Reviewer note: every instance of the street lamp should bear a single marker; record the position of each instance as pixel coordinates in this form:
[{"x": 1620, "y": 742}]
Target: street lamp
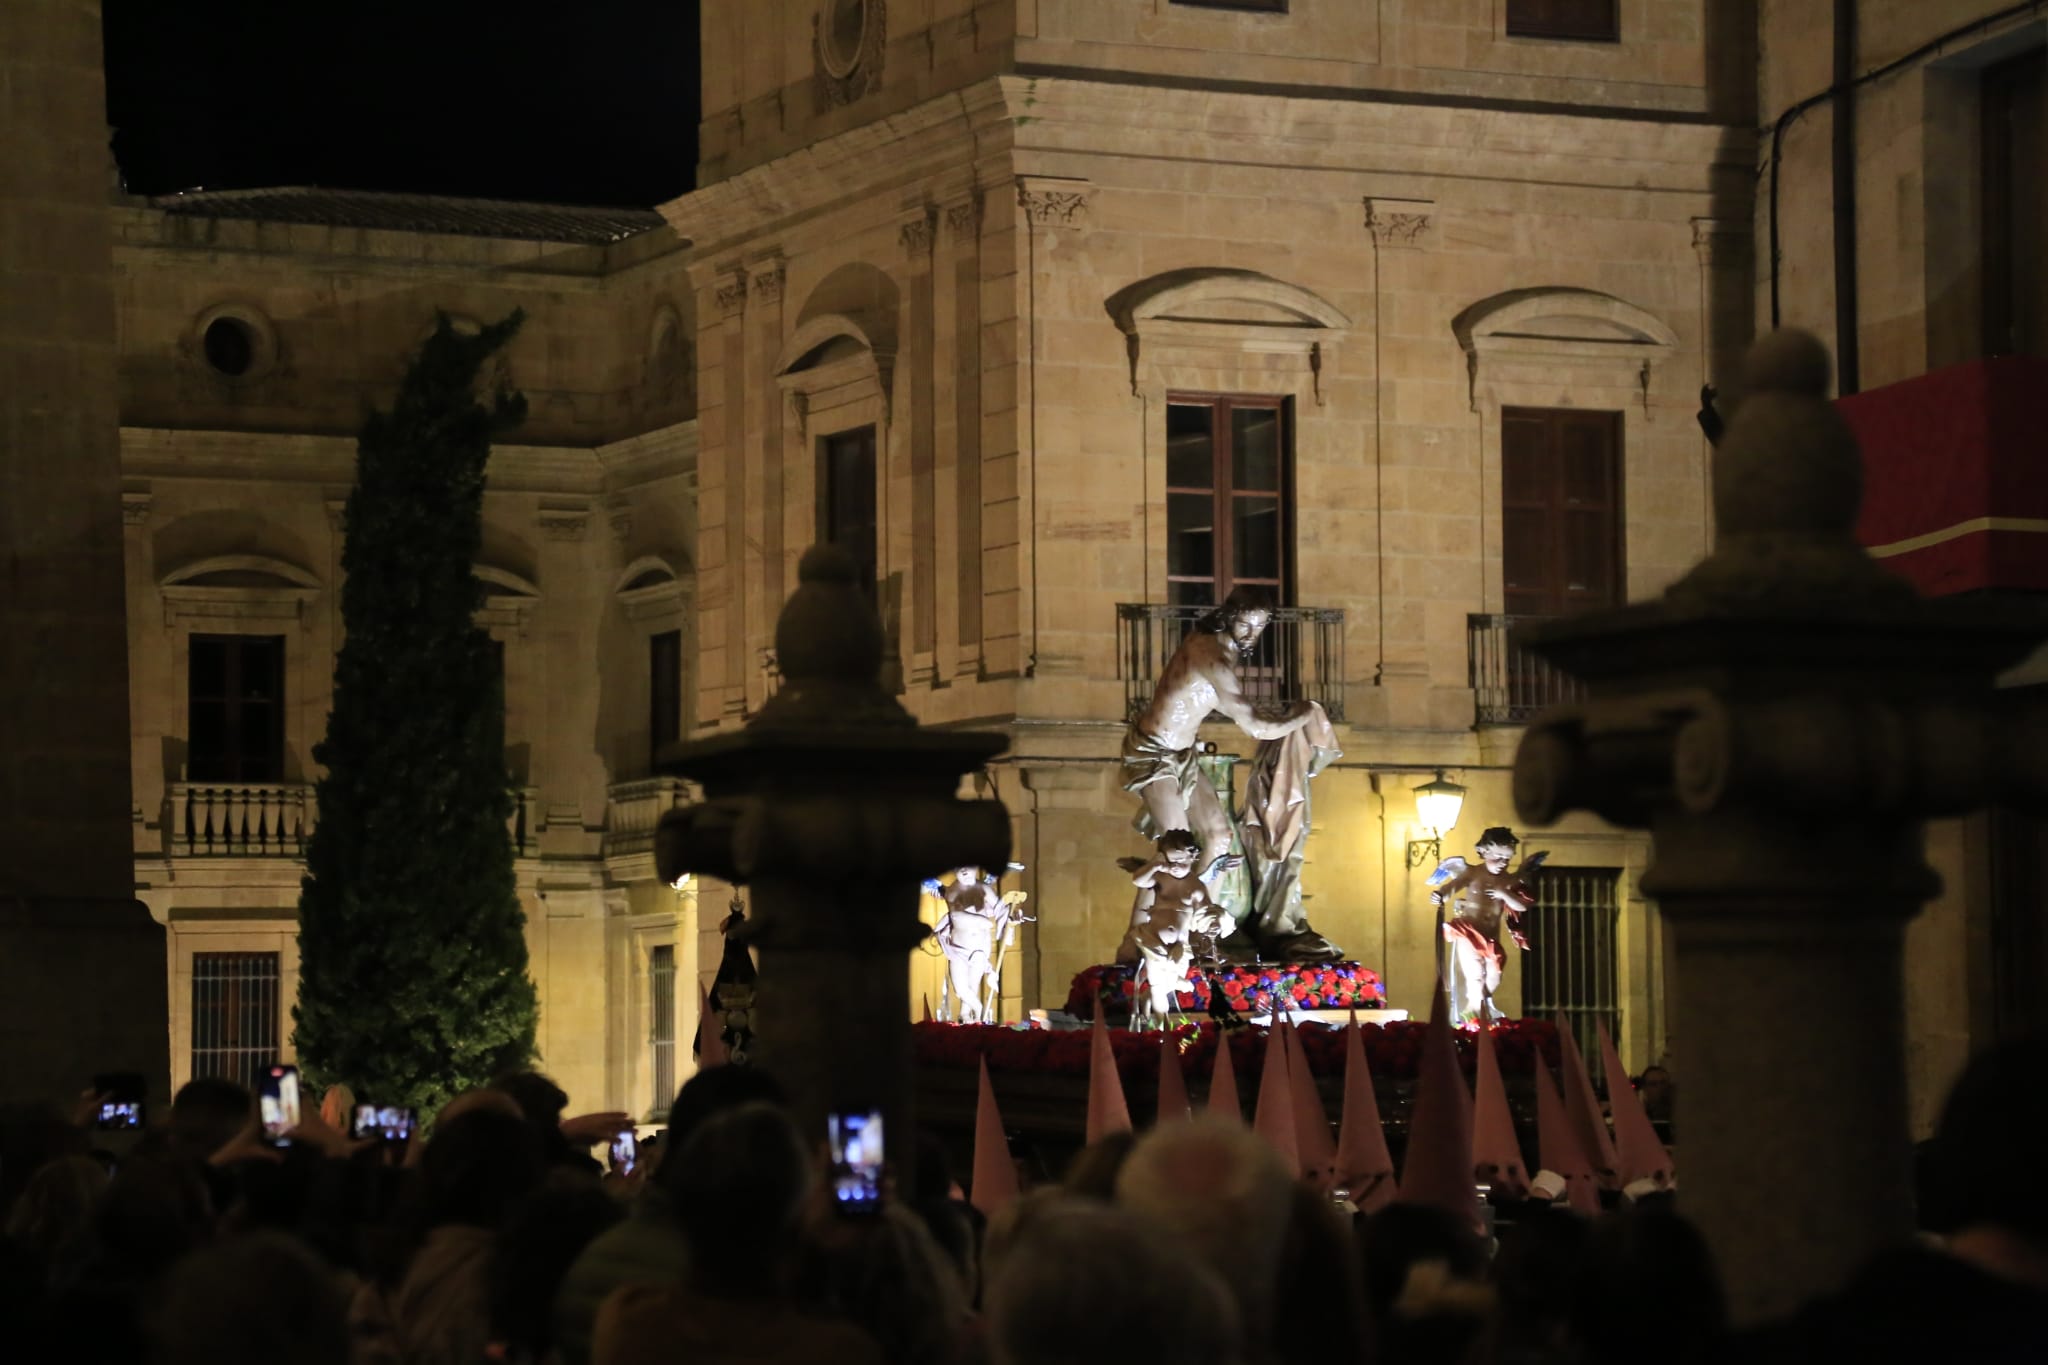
[{"x": 1437, "y": 804}]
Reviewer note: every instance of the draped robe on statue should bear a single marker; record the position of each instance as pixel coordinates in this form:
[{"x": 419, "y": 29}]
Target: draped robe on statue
[{"x": 1273, "y": 829}]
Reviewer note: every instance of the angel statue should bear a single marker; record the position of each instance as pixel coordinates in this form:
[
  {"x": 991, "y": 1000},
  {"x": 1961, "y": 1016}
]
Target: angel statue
[
  {"x": 1174, "y": 926},
  {"x": 973, "y": 933},
  {"x": 1480, "y": 896}
]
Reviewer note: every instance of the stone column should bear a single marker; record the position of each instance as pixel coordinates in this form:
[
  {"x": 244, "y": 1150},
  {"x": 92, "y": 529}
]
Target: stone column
[
  {"x": 1783, "y": 721},
  {"x": 832, "y": 805},
  {"x": 82, "y": 965}
]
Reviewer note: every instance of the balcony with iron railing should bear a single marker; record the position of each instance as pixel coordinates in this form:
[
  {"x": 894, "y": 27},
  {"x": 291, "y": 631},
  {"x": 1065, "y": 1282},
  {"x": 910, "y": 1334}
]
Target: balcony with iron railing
[
  {"x": 1510, "y": 685},
  {"x": 1299, "y": 658}
]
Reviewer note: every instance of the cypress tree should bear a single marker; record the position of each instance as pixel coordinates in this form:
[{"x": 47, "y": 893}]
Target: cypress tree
[{"x": 413, "y": 983}]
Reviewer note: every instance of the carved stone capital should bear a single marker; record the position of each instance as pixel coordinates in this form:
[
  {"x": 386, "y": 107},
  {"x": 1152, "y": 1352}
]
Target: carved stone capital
[
  {"x": 916, "y": 236},
  {"x": 1400, "y": 224},
  {"x": 732, "y": 296},
  {"x": 767, "y": 283},
  {"x": 1053, "y": 201},
  {"x": 963, "y": 220}
]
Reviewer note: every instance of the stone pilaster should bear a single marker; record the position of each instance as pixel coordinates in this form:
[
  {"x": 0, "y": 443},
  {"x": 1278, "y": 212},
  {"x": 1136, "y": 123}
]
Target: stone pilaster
[
  {"x": 767, "y": 471},
  {"x": 963, "y": 238},
  {"x": 916, "y": 235},
  {"x": 728, "y": 588}
]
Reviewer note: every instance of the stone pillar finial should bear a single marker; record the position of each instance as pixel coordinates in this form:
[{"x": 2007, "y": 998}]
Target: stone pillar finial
[
  {"x": 1788, "y": 484},
  {"x": 1782, "y": 722},
  {"x": 833, "y": 805}
]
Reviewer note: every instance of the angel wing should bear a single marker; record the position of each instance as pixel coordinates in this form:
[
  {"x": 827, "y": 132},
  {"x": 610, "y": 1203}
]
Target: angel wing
[
  {"x": 1445, "y": 870},
  {"x": 1131, "y": 864},
  {"x": 1532, "y": 862}
]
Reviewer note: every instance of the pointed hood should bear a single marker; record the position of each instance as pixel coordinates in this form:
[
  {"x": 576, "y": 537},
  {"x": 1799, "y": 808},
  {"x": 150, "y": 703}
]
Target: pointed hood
[
  {"x": 995, "y": 1177},
  {"x": 1273, "y": 1117},
  {"x": 1559, "y": 1149},
  {"x": 1223, "y": 1097},
  {"x": 1107, "y": 1112},
  {"x": 1638, "y": 1153},
  {"x": 1173, "y": 1086},
  {"x": 1494, "y": 1143},
  {"x": 1438, "y": 1170},
  {"x": 1582, "y": 1106},
  {"x": 1363, "y": 1164},
  {"x": 710, "y": 1047},
  {"x": 1312, "y": 1138}
]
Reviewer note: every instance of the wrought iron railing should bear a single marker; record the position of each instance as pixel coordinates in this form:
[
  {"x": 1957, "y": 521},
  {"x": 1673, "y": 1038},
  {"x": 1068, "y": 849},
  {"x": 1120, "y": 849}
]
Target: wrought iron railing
[
  {"x": 1300, "y": 657},
  {"x": 1509, "y": 684}
]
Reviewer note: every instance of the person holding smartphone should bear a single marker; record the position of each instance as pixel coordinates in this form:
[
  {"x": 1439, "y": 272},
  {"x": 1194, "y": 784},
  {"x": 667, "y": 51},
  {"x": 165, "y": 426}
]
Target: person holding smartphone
[{"x": 743, "y": 1184}]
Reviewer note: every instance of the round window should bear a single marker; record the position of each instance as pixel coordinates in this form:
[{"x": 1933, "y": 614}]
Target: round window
[
  {"x": 843, "y": 31},
  {"x": 230, "y": 346}
]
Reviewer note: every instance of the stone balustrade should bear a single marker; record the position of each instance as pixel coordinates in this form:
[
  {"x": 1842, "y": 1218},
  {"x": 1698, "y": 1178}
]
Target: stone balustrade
[
  {"x": 239, "y": 819},
  {"x": 524, "y": 823},
  {"x": 633, "y": 809}
]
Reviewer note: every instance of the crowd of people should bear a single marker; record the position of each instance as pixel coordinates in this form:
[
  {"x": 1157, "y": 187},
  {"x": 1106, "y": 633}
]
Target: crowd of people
[{"x": 498, "y": 1237}]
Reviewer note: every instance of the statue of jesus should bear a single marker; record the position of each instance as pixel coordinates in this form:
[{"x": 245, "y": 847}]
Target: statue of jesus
[{"x": 1159, "y": 749}]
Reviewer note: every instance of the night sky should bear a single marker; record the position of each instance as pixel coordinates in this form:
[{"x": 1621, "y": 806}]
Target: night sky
[{"x": 560, "y": 101}]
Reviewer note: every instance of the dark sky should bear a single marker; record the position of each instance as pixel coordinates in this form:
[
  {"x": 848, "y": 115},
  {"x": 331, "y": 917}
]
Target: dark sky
[{"x": 562, "y": 101}]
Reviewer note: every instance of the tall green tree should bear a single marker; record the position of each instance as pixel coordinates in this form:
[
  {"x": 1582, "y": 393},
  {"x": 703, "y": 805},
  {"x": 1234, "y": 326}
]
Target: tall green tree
[{"x": 412, "y": 946}]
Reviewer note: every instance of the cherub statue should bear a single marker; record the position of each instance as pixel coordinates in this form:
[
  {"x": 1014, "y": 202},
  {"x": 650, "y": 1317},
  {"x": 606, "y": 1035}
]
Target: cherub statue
[
  {"x": 1174, "y": 925},
  {"x": 1481, "y": 896},
  {"x": 977, "y": 925}
]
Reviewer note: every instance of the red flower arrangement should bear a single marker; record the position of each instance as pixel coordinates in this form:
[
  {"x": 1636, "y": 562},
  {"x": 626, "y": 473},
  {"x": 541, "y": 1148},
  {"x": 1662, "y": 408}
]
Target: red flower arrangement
[
  {"x": 1249, "y": 990},
  {"x": 1393, "y": 1050}
]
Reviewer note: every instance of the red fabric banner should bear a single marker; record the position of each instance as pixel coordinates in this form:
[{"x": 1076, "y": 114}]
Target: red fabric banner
[{"x": 1955, "y": 483}]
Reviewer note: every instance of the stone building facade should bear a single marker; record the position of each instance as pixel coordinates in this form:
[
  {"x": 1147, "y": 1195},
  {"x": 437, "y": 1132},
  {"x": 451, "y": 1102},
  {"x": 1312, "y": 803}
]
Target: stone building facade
[
  {"x": 1066, "y": 315},
  {"x": 254, "y": 330},
  {"x": 1014, "y": 270}
]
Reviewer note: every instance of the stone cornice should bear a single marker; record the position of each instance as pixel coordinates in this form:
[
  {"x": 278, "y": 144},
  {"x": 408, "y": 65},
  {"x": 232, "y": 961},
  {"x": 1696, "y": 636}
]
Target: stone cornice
[
  {"x": 666, "y": 452},
  {"x": 1067, "y": 116},
  {"x": 937, "y": 137},
  {"x": 266, "y": 457}
]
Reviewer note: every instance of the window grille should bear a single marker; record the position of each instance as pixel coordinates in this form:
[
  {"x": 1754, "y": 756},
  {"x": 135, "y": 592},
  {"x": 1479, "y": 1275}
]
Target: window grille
[
  {"x": 235, "y": 1008},
  {"x": 1570, "y": 966},
  {"x": 661, "y": 1032}
]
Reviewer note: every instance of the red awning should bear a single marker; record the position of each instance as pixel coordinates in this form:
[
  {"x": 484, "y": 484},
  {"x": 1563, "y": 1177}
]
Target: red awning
[{"x": 1955, "y": 475}]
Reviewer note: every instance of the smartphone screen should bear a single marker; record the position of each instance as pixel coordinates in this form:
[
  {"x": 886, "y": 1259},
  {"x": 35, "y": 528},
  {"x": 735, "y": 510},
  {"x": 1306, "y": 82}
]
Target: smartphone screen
[
  {"x": 120, "y": 1100},
  {"x": 856, "y": 1139},
  {"x": 277, "y": 1098},
  {"x": 625, "y": 1153},
  {"x": 385, "y": 1122}
]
